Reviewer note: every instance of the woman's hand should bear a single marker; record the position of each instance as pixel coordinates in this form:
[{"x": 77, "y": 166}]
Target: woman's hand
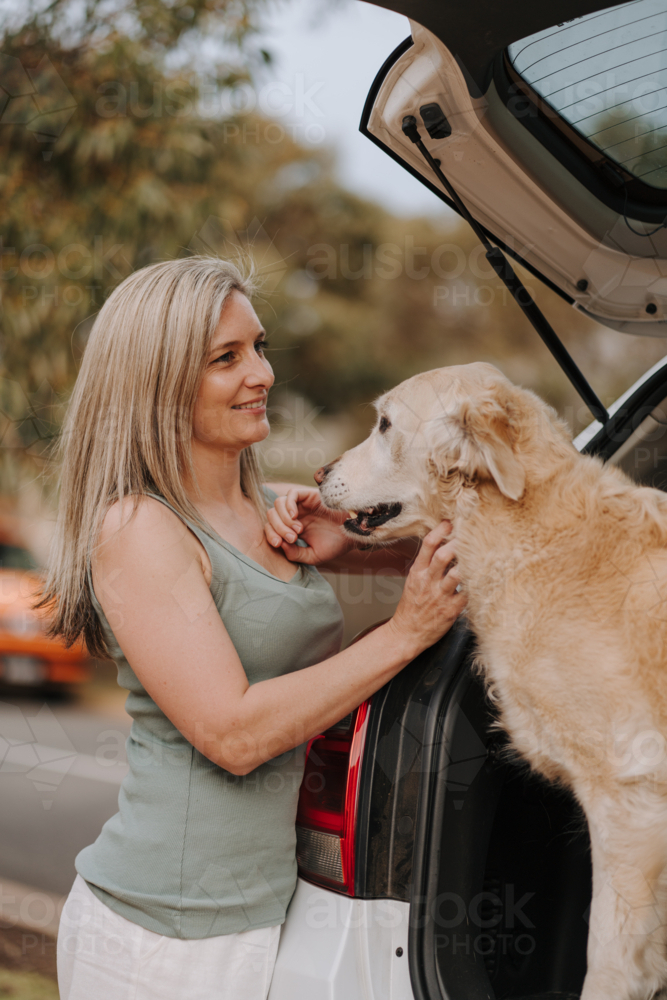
[
  {"x": 301, "y": 513},
  {"x": 430, "y": 604}
]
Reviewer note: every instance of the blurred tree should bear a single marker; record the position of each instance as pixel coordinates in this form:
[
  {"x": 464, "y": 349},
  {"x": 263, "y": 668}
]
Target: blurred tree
[
  {"x": 109, "y": 162},
  {"x": 381, "y": 298},
  {"x": 120, "y": 145}
]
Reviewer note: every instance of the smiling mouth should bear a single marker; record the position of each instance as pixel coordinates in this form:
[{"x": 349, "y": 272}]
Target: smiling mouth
[
  {"x": 364, "y": 522},
  {"x": 250, "y": 406}
]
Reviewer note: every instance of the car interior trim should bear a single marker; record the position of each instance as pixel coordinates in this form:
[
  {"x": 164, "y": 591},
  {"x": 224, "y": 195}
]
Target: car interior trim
[{"x": 369, "y": 104}]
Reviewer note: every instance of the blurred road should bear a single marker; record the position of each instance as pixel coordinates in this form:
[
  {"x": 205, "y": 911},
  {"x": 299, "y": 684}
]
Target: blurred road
[{"x": 61, "y": 766}]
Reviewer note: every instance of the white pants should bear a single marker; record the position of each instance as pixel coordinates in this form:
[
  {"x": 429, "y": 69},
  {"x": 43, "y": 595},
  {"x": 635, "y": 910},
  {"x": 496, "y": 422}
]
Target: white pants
[{"x": 103, "y": 956}]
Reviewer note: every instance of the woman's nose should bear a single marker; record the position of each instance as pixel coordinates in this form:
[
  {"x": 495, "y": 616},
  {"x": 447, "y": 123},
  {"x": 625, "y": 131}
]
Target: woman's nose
[{"x": 260, "y": 373}]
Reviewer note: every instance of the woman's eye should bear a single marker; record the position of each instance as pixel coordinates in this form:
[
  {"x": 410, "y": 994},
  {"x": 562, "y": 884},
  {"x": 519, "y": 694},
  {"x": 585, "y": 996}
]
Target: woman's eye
[{"x": 230, "y": 356}]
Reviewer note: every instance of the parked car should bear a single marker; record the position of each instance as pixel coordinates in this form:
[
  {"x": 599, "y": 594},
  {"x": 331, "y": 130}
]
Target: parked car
[
  {"x": 431, "y": 865},
  {"x": 28, "y": 657}
]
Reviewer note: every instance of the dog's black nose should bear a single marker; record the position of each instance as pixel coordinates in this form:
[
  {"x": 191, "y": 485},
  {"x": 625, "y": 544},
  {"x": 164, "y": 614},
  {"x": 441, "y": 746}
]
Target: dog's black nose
[{"x": 322, "y": 473}]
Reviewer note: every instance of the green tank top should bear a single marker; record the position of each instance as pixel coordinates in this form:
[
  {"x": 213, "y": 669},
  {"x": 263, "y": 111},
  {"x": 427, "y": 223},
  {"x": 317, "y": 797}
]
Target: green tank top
[{"x": 195, "y": 851}]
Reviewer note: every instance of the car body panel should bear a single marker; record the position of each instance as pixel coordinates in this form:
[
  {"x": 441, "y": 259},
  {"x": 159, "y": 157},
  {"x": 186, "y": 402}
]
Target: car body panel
[
  {"x": 402, "y": 726},
  {"x": 459, "y": 25},
  {"x": 333, "y": 947},
  {"x": 626, "y": 414},
  {"x": 520, "y": 192}
]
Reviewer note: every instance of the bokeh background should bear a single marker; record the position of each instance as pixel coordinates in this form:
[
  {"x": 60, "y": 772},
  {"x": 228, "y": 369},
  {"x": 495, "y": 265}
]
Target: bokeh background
[
  {"x": 134, "y": 132},
  {"x": 137, "y": 132}
]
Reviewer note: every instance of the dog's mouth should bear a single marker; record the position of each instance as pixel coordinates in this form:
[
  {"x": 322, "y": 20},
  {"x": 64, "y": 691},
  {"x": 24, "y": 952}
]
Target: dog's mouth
[{"x": 364, "y": 522}]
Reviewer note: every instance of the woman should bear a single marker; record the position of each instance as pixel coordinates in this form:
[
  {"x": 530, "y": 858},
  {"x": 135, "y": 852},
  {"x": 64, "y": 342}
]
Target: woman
[{"x": 165, "y": 560}]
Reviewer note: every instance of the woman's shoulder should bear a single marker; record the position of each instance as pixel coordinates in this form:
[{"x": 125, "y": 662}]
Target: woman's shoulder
[
  {"x": 142, "y": 520},
  {"x": 146, "y": 535}
]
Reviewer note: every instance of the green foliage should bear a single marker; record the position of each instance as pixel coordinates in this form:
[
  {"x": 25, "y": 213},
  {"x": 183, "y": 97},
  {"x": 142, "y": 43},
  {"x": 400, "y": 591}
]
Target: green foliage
[
  {"x": 127, "y": 180},
  {"x": 107, "y": 165}
]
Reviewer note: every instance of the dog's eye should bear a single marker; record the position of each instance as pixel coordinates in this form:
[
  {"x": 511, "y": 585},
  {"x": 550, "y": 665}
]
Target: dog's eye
[{"x": 384, "y": 425}]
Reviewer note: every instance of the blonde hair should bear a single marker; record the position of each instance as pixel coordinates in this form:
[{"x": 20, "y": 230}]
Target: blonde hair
[{"x": 129, "y": 423}]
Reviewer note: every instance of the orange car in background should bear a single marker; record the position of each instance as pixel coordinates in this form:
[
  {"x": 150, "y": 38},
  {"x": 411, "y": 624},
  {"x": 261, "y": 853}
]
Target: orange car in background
[{"x": 28, "y": 657}]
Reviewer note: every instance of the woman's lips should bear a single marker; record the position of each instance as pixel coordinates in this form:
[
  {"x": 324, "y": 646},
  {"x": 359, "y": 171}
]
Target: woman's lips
[{"x": 254, "y": 405}]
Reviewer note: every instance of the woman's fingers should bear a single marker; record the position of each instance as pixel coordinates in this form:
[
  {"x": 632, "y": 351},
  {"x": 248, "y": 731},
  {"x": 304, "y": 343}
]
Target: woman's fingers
[
  {"x": 450, "y": 582},
  {"x": 430, "y": 603},
  {"x": 280, "y": 527},
  {"x": 283, "y": 524},
  {"x": 301, "y": 498},
  {"x": 272, "y": 537},
  {"x": 288, "y": 507},
  {"x": 300, "y": 512},
  {"x": 300, "y": 554},
  {"x": 431, "y": 543},
  {"x": 289, "y": 504},
  {"x": 442, "y": 558}
]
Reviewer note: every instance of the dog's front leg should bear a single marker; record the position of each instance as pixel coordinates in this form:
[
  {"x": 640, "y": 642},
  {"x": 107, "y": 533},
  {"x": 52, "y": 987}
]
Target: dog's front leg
[{"x": 627, "y": 944}]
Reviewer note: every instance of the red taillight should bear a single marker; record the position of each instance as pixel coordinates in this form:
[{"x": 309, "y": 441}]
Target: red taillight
[{"x": 327, "y": 814}]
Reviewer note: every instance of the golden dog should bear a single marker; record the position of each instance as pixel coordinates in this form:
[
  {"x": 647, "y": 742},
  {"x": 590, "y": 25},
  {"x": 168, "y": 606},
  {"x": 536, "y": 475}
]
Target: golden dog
[{"x": 565, "y": 566}]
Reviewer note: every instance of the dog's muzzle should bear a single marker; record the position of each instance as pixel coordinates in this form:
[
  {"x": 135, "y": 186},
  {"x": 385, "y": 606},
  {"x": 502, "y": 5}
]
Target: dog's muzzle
[
  {"x": 367, "y": 520},
  {"x": 322, "y": 473}
]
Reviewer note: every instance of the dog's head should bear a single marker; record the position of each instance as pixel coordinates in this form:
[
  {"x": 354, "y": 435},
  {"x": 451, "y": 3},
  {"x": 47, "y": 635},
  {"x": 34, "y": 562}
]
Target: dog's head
[{"x": 437, "y": 436}]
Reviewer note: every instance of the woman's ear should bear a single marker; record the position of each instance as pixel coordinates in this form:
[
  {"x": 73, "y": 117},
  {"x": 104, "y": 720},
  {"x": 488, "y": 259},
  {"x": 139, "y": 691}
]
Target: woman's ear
[{"x": 484, "y": 438}]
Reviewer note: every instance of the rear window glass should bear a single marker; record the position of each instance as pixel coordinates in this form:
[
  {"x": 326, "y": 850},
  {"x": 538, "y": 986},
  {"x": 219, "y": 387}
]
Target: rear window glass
[{"x": 606, "y": 75}]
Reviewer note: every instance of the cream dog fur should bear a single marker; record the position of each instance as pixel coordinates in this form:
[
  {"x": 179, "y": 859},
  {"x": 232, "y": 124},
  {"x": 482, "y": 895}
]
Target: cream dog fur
[{"x": 565, "y": 565}]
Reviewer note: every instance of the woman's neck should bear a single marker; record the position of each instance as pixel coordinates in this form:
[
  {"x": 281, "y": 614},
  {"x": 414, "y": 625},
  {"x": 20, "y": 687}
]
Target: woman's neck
[{"x": 217, "y": 476}]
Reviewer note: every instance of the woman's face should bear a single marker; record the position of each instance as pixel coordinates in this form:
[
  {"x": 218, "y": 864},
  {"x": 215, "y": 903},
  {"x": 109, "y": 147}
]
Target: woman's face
[{"x": 230, "y": 409}]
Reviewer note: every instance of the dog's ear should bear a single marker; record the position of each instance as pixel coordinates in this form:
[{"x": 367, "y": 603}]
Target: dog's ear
[
  {"x": 481, "y": 436},
  {"x": 486, "y": 444}
]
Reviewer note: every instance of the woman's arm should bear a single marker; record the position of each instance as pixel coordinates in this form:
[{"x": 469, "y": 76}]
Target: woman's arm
[
  {"x": 298, "y": 510},
  {"x": 149, "y": 575}
]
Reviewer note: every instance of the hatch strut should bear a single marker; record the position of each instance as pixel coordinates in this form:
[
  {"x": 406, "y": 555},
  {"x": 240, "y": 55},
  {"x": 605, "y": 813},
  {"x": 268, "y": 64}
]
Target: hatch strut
[{"x": 522, "y": 296}]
